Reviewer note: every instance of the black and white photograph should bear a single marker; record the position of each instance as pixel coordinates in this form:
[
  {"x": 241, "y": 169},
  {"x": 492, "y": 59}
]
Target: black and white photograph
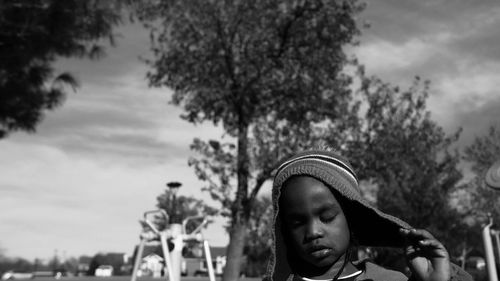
[{"x": 274, "y": 140}]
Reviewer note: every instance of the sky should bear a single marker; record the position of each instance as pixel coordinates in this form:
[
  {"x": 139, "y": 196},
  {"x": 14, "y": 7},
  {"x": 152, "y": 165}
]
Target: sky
[{"x": 80, "y": 184}]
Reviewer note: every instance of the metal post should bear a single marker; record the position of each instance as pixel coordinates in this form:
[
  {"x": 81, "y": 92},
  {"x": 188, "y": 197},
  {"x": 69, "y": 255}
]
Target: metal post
[
  {"x": 208, "y": 257},
  {"x": 166, "y": 256},
  {"x": 496, "y": 233},
  {"x": 176, "y": 253},
  {"x": 488, "y": 250},
  {"x": 138, "y": 258}
]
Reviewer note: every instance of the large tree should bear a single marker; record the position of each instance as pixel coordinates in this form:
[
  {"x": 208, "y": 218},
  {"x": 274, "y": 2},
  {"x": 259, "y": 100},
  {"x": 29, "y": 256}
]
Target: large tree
[
  {"x": 240, "y": 63},
  {"x": 409, "y": 159},
  {"x": 32, "y": 35}
]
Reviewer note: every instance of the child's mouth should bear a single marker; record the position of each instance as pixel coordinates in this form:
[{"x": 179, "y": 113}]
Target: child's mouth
[{"x": 321, "y": 253}]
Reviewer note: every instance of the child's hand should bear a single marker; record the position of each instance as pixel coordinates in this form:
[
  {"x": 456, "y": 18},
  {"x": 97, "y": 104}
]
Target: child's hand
[{"x": 427, "y": 258}]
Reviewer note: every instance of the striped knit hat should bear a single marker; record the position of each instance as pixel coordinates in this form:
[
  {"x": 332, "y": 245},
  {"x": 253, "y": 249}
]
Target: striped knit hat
[{"x": 370, "y": 226}]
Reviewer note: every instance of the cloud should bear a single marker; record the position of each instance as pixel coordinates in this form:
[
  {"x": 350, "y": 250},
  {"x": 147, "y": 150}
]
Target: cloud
[
  {"x": 421, "y": 35},
  {"x": 132, "y": 43},
  {"x": 385, "y": 57},
  {"x": 454, "y": 44},
  {"x": 400, "y": 21},
  {"x": 479, "y": 38},
  {"x": 120, "y": 120},
  {"x": 477, "y": 121}
]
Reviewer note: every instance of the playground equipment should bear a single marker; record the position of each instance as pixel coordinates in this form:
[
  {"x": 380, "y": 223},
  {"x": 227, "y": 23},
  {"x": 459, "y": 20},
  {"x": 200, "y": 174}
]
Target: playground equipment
[
  {"x": 177, "y": 234},
  {"x": 492, "y": 180},
  {"x": 492, "y": 177},
  {"x": 488, "y": 249}
]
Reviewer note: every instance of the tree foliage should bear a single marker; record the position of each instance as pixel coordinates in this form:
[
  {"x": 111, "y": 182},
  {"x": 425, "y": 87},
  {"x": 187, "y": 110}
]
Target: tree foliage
[
  {"x": 15, "y": 264},
  {"x": 237, "y": 61},
  {"x": 410, "y": 159},
  {"x": 217, "y": 168},
  {"x": 184, "y": 207},
  {"x": 258, "y": 241},
  {"x": 253, "y": 67},
  {"x": 32, "y": 35}
]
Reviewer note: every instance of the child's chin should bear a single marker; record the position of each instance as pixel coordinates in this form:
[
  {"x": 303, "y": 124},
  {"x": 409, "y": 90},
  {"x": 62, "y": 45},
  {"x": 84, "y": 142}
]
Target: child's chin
[
  {"x": 329, "y": 262},
  {"x": 322, "y": 262}
]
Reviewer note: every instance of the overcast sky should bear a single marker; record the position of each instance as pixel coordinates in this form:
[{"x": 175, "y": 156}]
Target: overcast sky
[{"x": 80, "y": 184}]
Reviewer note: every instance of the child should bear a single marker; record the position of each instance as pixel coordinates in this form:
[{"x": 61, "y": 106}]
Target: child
[{"x": 319, "y": 215}]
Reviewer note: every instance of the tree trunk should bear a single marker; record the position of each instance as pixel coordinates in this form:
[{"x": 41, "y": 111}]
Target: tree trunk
[
  {"x": 234, "y": 252},
  {"x": 239, "y": 208}
]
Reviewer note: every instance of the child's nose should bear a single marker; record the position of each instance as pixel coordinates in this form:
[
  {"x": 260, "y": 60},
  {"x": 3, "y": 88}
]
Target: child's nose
[{"x": 314, "y": 230}]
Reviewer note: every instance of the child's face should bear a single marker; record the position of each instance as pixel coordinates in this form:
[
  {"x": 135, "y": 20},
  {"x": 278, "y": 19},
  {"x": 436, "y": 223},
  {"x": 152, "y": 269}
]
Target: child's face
[{"x": 313, "y": 221}]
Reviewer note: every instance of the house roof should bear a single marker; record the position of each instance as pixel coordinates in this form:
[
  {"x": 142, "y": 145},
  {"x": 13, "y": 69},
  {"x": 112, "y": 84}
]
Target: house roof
[
  {"x": 117, "y": 256},
  {"x": 152, "y": 257},
  {"x": 84, "y": 260}
]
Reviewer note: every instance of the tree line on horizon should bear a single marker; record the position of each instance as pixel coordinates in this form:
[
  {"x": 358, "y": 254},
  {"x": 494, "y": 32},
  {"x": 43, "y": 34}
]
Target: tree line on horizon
[
  {"x": 277, "y": 77},
  {"x": 82, "y": 265},
  {"x": 53, "y": 265}
]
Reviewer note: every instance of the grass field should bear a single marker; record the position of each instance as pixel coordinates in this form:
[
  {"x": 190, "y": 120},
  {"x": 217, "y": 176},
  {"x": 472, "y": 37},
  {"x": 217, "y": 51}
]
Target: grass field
[{"x": 127, "y": 278}]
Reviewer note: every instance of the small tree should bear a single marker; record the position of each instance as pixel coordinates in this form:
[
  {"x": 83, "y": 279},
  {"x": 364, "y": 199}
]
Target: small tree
[{"x": 184, "y": 207}]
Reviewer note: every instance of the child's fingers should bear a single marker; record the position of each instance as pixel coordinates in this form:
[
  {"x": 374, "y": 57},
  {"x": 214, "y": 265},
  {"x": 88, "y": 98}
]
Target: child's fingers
[
  {"x": 419, "y": 238},
  {"x": 411, "y": 252},
  {"x": 416, "y": 234},
  {"x": 430, "y": 243},
  {"x": 434, "y": 246},
  {"x": 421, "y": 242}
]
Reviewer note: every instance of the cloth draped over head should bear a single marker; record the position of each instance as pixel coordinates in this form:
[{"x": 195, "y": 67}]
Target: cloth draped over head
[{"x": 370, "y": 226}]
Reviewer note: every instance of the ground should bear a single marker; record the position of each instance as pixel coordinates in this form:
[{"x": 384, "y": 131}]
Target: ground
[{"x": 127, "y": 278}]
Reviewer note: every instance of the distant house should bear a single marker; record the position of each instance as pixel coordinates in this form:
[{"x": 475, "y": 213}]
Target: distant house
[
  {"x": 152, "y": 261},
  {"x": 83, "y": 265},
  {"x": 118, "y": 261},
  {"x": 197, "y": 266},
  {"x": 152, "y": 265},
  {"x": 104, "y": 271}
]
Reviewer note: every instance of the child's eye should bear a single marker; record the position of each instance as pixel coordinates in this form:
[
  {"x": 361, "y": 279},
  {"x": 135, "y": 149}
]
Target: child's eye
[
  {"x": 327, "y": 217},
  {"x": 295, "y": 222}
]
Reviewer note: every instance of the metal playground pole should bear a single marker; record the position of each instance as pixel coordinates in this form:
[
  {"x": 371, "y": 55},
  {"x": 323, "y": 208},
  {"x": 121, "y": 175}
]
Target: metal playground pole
[
  {"x": 492, "y": 180},
  {"x": 488, "y": 250}
]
